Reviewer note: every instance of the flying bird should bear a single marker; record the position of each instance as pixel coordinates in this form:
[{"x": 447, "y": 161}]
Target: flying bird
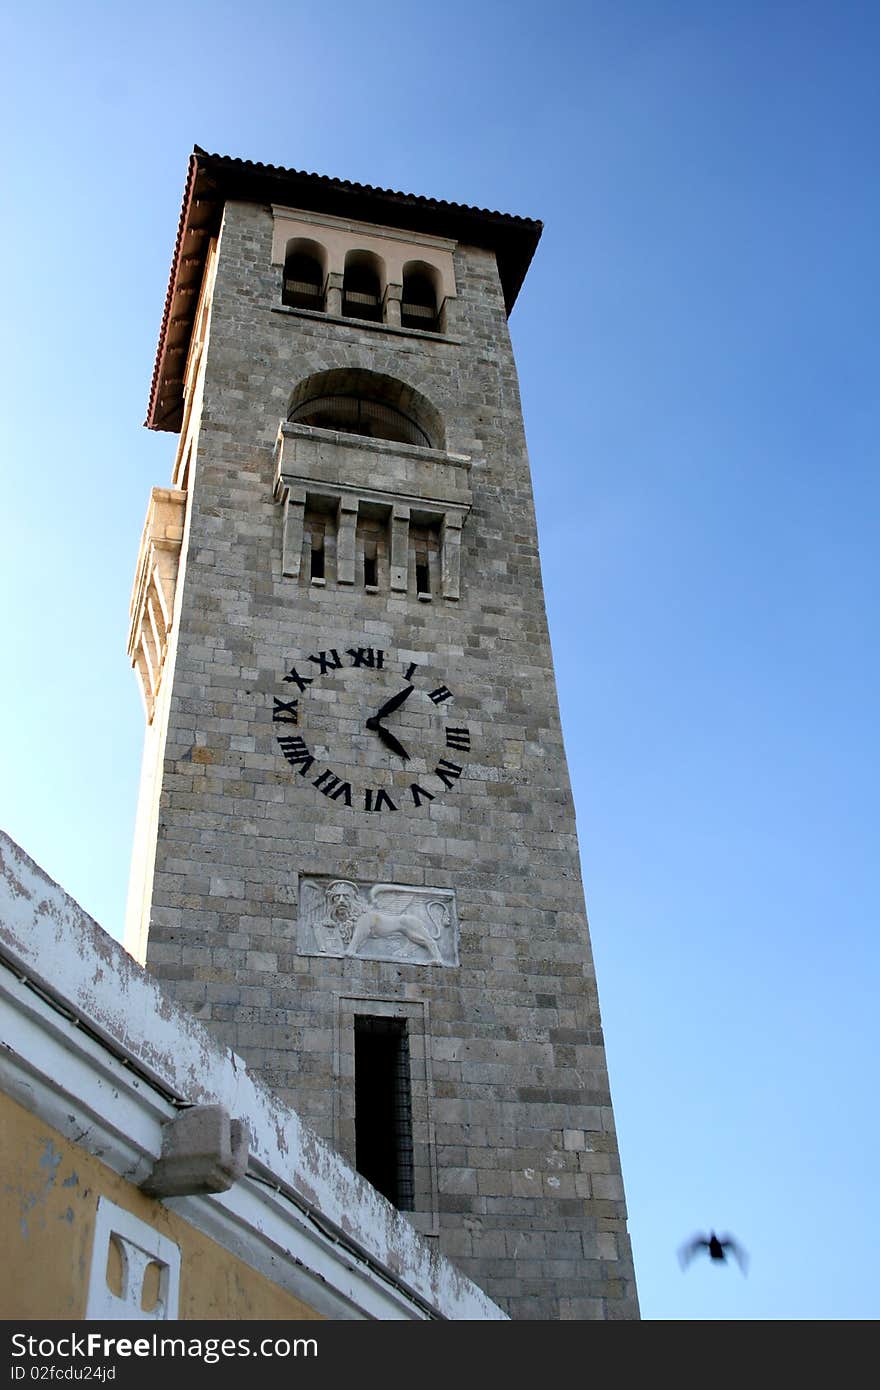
[{"x": 718, "y": 1247}]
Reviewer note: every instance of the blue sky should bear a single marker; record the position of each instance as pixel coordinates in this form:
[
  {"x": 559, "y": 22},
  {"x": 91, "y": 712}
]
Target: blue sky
[{"x": 696, "y": 342}]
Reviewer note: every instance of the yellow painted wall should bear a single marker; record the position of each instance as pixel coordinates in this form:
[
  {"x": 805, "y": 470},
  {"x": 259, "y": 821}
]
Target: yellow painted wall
[{"x": 49, "y": 1190}]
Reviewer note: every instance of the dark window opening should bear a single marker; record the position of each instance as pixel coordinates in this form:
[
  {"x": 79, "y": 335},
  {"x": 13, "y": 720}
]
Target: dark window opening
[
  {"x": 362, "y": 293},
  {"x": 371, "y": 568},
  {"x": 355, "y": 415},
  {"x": 317, "y": 558},
  {"x": 383, "y": 1108},
  {"x": 303, "y": 282},
  {"x": 424, "y": 556},
  {"x": 360, "y": 401},
  {"x": 418, "y": 308}
]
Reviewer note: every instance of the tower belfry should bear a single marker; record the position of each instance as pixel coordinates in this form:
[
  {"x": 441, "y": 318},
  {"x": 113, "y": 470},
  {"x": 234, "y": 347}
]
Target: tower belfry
[{"x": 355, "y": 853}]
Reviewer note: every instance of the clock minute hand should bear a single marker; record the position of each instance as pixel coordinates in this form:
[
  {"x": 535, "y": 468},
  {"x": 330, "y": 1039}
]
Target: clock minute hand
[{"x": 394, "y": 703}]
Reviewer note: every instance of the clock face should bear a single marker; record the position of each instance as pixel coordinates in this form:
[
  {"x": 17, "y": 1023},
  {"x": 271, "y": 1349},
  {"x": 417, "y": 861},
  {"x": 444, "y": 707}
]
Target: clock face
[{"x": 369, "y": 731}]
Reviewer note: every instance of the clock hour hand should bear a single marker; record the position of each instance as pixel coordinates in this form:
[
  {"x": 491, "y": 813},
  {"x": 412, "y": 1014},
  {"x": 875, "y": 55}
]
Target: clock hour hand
[
  {"x": 388, "y": 739},
  {"x": 394, "y": 703}
]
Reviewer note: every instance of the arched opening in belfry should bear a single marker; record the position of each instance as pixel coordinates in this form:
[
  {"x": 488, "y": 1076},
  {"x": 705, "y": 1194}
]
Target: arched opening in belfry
[
  {"x": 305, "y": 275},
  {"x": 363, "y": 286},
  {"x": 419, "y": 307},
  {"x": 357, "y": 401}
]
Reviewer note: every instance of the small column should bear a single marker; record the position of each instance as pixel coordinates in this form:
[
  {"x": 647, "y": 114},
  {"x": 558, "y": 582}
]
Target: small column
[
  {"x": 142, "y": 671},
  {"x": 399, "y": 547},
  {"x": 293, "y": 501},
  {"x": 157, "y": 627},
  {"x": 346, "y": 528},
  {"x": 152, "y": 667},
  {"x": 450, "y": 554},
  {"x": 393, "y": 296},
  {"x": 333, "y": 300},
  {"x": 164, "y": 578}
]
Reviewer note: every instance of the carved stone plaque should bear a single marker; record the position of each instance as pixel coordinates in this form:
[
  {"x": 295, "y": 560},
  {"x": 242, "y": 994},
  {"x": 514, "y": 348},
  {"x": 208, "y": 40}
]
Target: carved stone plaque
[{"x": 377, "y": 921}]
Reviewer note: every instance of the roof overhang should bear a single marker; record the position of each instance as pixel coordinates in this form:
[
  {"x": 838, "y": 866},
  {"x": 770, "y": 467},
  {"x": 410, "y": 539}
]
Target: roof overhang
[{"x": 212, "y": 179}]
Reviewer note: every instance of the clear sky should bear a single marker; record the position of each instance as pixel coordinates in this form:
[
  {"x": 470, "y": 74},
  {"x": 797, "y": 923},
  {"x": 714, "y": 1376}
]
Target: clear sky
[{"x": 697, "y": 348}]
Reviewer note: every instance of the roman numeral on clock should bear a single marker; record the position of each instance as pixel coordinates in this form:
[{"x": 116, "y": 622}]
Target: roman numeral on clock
[
  {"x": 285, "y": 711},
  {"x": 419, "y": 794},
  {"x": 459, "y": 738},
  {"x": 448, "y": 772},
  {"x": 377, "y": 801},
  {"x": 440, "y": 694},
  {"x": 301, "y": 681},
  {"x": 366, "y": 656},
  {"x": 328, "y": 661},
  {"x": 333, "y": 786},
  {"x": 297, "y": 754}
]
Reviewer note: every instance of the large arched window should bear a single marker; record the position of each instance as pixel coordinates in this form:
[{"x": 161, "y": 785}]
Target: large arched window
[
  {"x": 363, "y": 286},
  {"x": 357, "y": 401},
  {"x": 355, "y": 415},
  {"x": 304, "y": 275},
  {"x": 419, "y": 305}
]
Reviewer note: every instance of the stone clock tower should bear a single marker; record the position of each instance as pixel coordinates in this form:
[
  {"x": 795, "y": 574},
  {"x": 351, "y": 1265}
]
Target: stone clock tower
[{"x": 355, "y": 853}]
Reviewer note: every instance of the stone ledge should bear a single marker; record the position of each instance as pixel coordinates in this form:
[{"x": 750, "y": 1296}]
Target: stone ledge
[{"x": 347, "y": 322}]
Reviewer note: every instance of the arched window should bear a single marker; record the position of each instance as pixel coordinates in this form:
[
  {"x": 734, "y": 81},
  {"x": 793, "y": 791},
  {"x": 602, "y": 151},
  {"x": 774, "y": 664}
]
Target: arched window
[
  {"x": 363, "y": 287},
  {"x": 419, "y": 306},
  {"x": 304, "y": 275},
  {"x": 358, "y": 401},
  {"x": 356, "y": 415}
]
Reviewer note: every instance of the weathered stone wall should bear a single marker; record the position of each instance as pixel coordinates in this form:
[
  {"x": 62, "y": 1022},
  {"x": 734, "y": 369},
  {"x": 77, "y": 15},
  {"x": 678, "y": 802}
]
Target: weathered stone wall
[{"x": 517, "y": 1170}]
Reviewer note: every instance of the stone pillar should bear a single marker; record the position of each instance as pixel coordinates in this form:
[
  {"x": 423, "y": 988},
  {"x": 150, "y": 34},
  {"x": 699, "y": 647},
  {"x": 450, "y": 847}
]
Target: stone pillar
[
  {"x": 346, "y": 528},
  {"x": 333, "y": 302},
  {"x": 399, "y": 547},
  {"x": 294, "y": 504},
  {"x": 393, "y": 296},
  {"x": 450, "y": 554}
]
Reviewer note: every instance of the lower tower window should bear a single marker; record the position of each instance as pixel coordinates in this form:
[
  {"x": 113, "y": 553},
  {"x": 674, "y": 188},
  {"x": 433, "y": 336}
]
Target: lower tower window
[
  {"x": 316, "y": 562},
  {"x": 383, "y": 1107},
  {"x": 371, "y": 567},
  {"x": 319, "y": 549},
  {"x": 423, "y": 574},
  {"x": 424, "y": 545}
]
